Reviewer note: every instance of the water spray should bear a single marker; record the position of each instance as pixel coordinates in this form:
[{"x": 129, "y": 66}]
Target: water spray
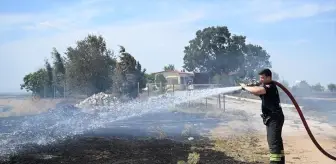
[{"x": 59, "y": 124}]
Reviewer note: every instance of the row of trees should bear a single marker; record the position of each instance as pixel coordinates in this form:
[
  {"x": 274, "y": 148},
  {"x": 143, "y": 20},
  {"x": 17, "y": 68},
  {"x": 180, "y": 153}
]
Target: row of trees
[
  {"x": 304, "y": 86},
  {"x": 88, "y": 68}
]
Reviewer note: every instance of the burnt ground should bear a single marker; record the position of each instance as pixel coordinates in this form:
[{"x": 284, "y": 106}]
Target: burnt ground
[
  {"x": 122, "y": 150},
  {"x": 135, "y": 144}
]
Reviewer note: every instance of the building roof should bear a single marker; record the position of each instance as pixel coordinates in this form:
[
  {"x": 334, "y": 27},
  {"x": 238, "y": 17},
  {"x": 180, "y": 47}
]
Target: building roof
[{"x": 179, "y": 72}]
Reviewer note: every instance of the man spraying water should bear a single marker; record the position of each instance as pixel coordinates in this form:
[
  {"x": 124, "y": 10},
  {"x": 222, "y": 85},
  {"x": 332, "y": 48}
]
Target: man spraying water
[{"x": 272, "y": 114}]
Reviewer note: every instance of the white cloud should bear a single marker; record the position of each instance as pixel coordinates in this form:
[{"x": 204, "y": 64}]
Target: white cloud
[
  {"x": 280, "y": 11},
  {"x": 57, "y": 18},
  {"x": 160, "y": 35},
  {"x": 163, "y": 39}
]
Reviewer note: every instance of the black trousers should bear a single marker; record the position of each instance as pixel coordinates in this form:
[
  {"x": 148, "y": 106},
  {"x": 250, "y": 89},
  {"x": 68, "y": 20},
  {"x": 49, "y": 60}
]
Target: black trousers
[{"x": 274, "y": 139}]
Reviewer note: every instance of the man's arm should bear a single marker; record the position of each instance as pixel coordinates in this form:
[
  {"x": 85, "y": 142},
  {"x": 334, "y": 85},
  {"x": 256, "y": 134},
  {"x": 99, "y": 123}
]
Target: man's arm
[{"x": 256, "y": 90}]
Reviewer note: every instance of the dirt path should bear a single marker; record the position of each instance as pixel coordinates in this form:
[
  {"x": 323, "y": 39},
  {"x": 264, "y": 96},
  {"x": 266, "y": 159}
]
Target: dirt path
[
  {"x": 298, "y": 146},
  {"x": 299, "y": 149}
]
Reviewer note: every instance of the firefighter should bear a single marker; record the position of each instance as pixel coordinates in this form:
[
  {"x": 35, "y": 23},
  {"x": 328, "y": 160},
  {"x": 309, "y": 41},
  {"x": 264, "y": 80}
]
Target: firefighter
[{"x": 272, "y": 114}]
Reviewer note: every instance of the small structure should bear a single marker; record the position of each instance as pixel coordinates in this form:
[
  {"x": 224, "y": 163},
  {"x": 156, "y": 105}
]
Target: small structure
[{"x": 177, "y": 79}]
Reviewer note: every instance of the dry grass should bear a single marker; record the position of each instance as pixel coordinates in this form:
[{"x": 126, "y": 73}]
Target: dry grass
[
  {"x": 245, "y": 147},
  {"x": 28, "y": 106},
  {"x": 193, "y": 158}
]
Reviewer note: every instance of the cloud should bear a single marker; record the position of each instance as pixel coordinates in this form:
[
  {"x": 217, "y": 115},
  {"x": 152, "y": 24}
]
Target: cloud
[
  {"x": 284, "y": 11},
  {"x": 63, "y": 17},
  {"x": 162, "y": 38},
  {"x": 156, "y": 30}
]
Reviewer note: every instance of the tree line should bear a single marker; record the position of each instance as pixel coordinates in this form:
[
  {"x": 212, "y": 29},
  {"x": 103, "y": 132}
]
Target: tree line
[
  {"x": 304, "y": 86},
  {"x": 87, "y": 68},
  {"x": 91, "y": 67}
]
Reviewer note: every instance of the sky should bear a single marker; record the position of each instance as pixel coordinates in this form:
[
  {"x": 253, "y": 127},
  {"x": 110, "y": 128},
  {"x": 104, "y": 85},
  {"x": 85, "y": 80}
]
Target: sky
[{"x": 299, "y": 35}]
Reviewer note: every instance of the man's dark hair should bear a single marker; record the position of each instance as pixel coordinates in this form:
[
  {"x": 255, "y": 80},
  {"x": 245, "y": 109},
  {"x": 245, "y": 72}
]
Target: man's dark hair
[{"x": 267, "y": 72}]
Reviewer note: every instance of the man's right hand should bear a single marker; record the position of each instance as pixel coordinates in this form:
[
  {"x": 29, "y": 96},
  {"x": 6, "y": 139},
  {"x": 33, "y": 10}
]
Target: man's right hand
[{"x": 242, "y": 85}]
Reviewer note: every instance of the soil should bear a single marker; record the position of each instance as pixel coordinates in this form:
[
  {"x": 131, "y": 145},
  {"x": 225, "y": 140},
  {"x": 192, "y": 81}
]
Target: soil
[{"x": 122, "y": 150}]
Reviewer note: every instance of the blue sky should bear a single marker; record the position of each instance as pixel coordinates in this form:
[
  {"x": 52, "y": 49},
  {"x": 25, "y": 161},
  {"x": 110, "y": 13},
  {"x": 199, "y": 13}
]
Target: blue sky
[{"x": 299, "y": 34}]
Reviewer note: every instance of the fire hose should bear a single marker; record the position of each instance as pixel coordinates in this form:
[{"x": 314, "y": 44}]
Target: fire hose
[{"x": 304, "y": 121}]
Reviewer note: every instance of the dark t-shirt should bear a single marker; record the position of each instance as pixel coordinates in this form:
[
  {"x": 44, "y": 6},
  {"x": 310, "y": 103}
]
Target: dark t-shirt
[{"x": 271, "y": 100}]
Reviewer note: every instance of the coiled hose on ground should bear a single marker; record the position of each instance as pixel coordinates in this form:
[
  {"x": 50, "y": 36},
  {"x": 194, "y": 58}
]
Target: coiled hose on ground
[{"x": 304, "y": 121}]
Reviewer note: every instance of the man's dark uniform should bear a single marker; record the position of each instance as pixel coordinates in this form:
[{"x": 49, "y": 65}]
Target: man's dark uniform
[{"x": 273, "y": 118}]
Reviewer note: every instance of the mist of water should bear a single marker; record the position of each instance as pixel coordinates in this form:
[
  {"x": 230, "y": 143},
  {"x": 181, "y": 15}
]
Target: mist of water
[{"x": 60, "y": 124}]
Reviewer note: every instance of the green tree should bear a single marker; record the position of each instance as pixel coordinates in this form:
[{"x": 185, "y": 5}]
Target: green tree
[
  {"x": 58, "y": 61},
  {"x": 35, "y": 82},
  {"x": 128, "y": 66},
  {"x": 150, "y": 77},
  {"x": 88, "y": 68},
  {"x": 217, "y": 51},
  {"x": 141, "y": 78},
  {"x": 49, "y": 92},
  {"x": 302, "y": 87},
  {"x": 40, "y": 83},
  {"x": 169, "y": 67},
  {"x": 214, "y": 50},
  {"x": 141, "y": 74},
  {"x": 317, "y": 87},
  {"x": 90, "y": 65},
  {"x": 129, "y": 74},
  {"x": 221, "y": 79},
  {"x": 59, "y": 71},
  {"x": 118, "y": 79},
  {"x": 160, "y": 79},
  {"x": 332, "y": 87},
  {"x": 256, "y": 58}
]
